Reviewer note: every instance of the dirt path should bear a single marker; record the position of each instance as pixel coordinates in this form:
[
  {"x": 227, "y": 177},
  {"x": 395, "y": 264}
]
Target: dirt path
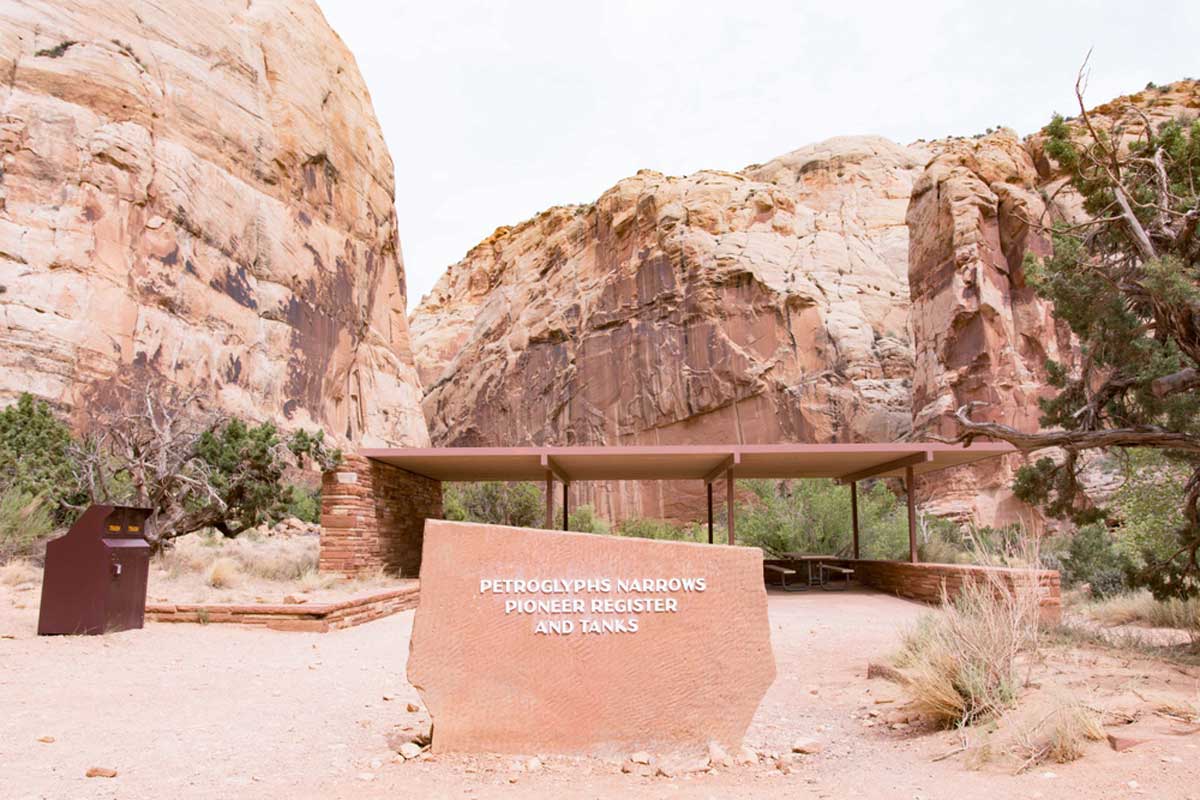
[{"x": 186, "y": 711}]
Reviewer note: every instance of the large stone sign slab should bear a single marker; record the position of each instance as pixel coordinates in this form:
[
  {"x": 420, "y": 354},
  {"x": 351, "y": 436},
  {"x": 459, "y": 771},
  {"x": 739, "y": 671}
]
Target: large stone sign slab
[{"x": 534, "y": 641}]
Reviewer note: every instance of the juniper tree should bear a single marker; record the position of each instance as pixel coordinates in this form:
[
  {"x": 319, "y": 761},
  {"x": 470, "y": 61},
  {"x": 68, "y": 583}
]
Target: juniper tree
[
  {"x": 193, "y": 471},
  {"x": 1127, "y": 282}
]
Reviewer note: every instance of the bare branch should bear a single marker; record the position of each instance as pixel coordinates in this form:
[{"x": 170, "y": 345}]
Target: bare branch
[{"x": 1141, "y": 436}]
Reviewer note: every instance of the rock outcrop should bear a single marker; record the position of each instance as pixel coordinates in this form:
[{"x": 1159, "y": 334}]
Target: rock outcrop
[
  {"x": 855, "y": 290},
  {"x": 199, "y": 193},
  {"x": 980, "y": 333},
  {"x": 753, "y": 307}
]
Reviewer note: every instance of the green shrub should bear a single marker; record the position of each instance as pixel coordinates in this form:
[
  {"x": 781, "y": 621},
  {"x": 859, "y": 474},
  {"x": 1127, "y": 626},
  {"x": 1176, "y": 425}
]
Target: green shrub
[
  {"x": 26, "y": 521},
  {"x": 647, "y": 528},
  {"x": 303, "y": 503},
  {"x": 1146, "y": 506},
  {"x": 1092, "y": 557},
  {"x": 35, "y": 456},
  {"x": 516, "y": 503},
  {"x": 584, "y": 520},
  {"x": 813, "y": 516}
]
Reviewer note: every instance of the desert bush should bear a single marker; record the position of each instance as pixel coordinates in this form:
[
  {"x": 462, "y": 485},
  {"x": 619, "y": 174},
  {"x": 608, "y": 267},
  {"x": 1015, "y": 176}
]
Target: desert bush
[
  {"x": 584, "y": 520},
  {"x": 813, "y": 516},
  {"x": 665, "y": 529},
  {"x": 518, "y": 503},
  {"x": 35, "y": 456},
  {"x": 223, "y": 573},
  {"x": 1058, "y": 734},
  {"x": 269, "y": 558},
  {"x": 1141, "y": 608},
  {"x": 302, "y": 503},
  {"x": 1093, "y": 558},
  {"x": 19, "y": 571},
  {"x": 26, "y": 521},
  {"x": 193, "y": 473},
  {"x": 960, "y": 661}
]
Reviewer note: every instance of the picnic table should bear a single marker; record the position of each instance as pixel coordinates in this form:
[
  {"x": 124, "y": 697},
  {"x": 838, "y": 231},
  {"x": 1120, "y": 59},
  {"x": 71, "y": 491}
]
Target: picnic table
[{"x": 821, "y": 567}]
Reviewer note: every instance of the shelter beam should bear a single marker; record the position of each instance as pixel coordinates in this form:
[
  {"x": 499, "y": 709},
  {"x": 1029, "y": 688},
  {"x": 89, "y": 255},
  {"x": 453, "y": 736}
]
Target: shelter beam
[{"x": 904, "y": 462}]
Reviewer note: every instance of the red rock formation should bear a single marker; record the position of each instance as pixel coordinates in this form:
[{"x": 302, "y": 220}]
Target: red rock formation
[
  {"x": 760, "y": 306},
  {"x": 850, "y": 291},
  {"x": 199, "y": 193},
  {"x": 980, "y": 332}
]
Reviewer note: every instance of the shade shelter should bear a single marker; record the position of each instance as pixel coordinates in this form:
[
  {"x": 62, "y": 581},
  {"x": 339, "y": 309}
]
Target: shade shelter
[{"x": 846, "y": 463}]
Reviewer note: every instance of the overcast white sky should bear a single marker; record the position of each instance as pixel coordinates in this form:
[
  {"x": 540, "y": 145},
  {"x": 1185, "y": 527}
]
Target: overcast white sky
[{"x": 496, "y": 110}]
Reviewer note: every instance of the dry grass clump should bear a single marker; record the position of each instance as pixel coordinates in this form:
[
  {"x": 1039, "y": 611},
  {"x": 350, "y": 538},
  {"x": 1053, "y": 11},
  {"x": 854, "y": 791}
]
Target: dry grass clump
[
  {"x": 1059, "y": 735},
  {"x": 1140, "y": 608},
  {"x": 1056, "y": 728},
  {"x": 960, "y": 662},
  {"x": 19, "y": 571},
  {"x": 270, "y": 558},
  {"x": 208, "y": 568},
  {"x": 1179, "y": 709},
  {"x": 223, "y": 573}
]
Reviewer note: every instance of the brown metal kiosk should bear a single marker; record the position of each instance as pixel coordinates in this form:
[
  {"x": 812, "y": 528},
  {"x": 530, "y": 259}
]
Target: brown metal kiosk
[{"x": 95, "y": 576}]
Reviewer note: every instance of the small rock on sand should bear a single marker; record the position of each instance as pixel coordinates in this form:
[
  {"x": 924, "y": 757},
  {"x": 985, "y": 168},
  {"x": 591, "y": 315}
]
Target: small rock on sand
[
  {"x": 413, "y": 708},
  {"x": 46, "y": 739},
  {"x": 1121, "y": 743},
  {"x": 101, "y": 772},
  {"x": 409, "y": 750},
  {"x": 640, "y": 757},
  {"x": 747, "y": 756},
  {"x": 717, "y": 757},
  {"x": 807, "y": 745}
]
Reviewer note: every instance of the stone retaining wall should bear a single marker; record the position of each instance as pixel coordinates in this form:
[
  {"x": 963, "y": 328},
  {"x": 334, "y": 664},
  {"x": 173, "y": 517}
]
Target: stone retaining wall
[
  {"x": 373, "y": 517},
  {"x": 315, "y": 618},
  {"x": 924, "y": 582}
]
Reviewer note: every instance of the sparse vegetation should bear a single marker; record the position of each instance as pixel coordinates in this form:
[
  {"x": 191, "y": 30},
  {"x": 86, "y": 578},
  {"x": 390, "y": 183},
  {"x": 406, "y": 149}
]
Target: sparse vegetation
[
  {"x": 35, "y": 456},
  {"x": 194, "y": 472},
  {"x": 960, "y": 663},
  {"x": 518, "y": 503},
  {"x": 1057, "y": 731},
  {"x": 1141, "y": 608},
  {"x": 19, "y": 571},
  {"x": 25, "y": 524}
]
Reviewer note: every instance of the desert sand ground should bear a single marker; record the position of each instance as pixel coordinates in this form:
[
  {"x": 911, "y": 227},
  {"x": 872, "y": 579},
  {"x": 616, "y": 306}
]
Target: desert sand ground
[{"x": 190, "y": 711}]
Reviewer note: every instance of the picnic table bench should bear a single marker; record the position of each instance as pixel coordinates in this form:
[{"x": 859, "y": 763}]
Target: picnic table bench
[
  {"x": 823, "y": 572},
  {"x": 784, "y": 573}
]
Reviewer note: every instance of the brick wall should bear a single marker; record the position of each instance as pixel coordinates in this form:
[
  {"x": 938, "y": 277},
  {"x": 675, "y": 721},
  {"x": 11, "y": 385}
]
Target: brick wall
[
  {"x": 924, "y": 581},
  {"x": 373, "y": 517}
]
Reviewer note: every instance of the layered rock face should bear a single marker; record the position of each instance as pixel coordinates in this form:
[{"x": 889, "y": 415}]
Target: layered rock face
[
  {"x": 199, "y": 193},
  {"x": 754, "y": 307},
  {"x": 980, "y": 333},
  {"x": 854, "y": 290}
]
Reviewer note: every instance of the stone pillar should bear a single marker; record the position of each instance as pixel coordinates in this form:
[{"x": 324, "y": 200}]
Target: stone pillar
[{"x": 373, "y": 518}]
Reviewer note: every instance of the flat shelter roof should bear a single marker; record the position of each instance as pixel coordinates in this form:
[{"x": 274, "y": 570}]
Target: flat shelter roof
[{"x": 684, "y": 462}]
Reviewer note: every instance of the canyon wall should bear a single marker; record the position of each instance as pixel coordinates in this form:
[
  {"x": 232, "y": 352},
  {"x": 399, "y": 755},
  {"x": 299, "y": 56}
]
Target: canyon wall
[
  {"x": 761, "y": 306},
  {"x": 854, "y": 290},
  {"x": 199, "y": 194}
]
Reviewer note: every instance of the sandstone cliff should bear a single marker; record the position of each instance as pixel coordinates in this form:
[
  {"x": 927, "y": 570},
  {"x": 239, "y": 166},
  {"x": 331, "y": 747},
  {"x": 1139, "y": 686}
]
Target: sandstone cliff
[
  {"x": 199, "y": 193},
  {"x": 761, "y": 306},
  {"x": 855, "y": 290}
]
